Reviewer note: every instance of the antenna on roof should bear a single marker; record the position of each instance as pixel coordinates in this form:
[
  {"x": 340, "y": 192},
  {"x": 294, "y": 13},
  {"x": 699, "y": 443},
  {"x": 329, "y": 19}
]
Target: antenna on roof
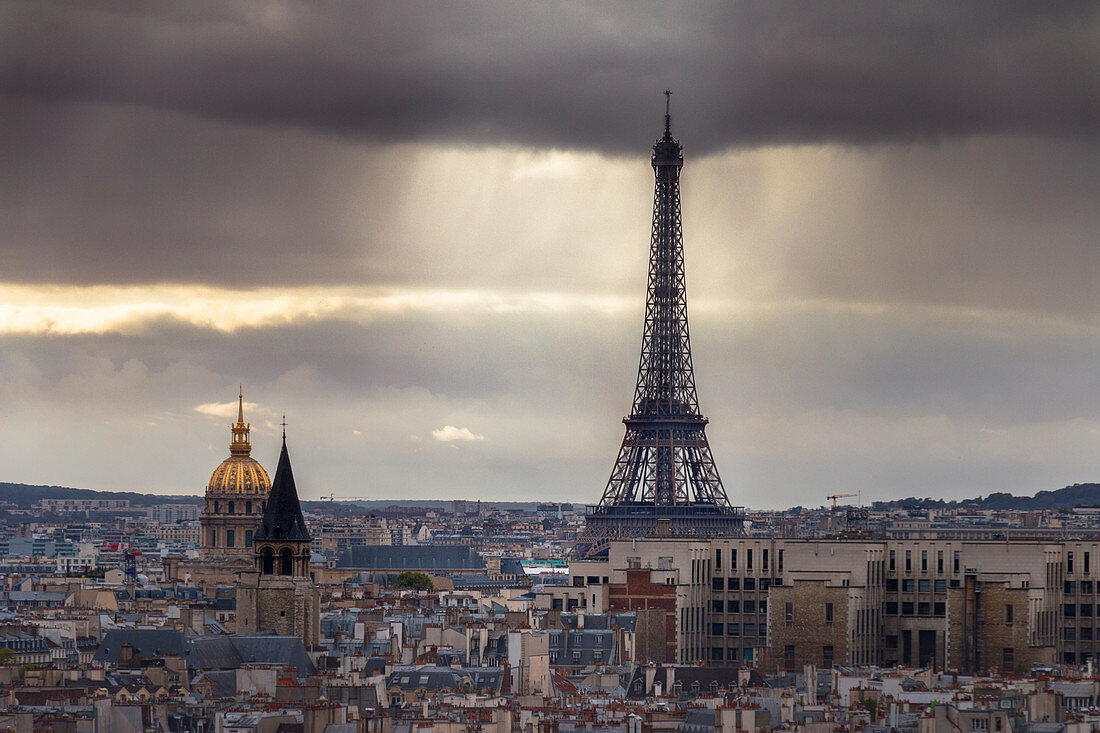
[{"x": 668, "y": 113}]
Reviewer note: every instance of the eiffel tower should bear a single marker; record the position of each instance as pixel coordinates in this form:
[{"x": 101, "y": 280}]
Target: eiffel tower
[{"x": 664, "y": 481}]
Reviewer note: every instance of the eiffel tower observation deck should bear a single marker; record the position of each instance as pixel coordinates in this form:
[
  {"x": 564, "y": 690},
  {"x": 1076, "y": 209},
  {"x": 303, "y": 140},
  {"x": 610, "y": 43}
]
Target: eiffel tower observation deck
[{"x": 664, "y": 482}]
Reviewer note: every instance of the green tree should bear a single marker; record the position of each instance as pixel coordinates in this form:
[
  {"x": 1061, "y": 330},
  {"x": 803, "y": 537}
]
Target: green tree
[
  {"x": 7, "y": 656},
  {"x": 414, "y": 580}
]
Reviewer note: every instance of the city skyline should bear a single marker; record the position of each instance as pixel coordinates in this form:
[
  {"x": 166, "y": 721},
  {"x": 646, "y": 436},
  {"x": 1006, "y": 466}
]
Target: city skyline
[{"x": 423, "y": 236}]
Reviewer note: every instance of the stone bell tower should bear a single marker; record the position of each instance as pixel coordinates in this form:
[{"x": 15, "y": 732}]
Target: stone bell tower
[{"x": 277, "y": 593}]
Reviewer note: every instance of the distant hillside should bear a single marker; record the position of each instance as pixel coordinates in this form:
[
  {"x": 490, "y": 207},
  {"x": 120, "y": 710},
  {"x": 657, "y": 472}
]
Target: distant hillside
[
  {"x": 1067, "y": 498},
  {"x": 26, "y": 495}
]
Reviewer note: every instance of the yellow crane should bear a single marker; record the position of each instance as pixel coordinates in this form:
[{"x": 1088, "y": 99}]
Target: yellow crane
[{"x": 834, "y": 497}]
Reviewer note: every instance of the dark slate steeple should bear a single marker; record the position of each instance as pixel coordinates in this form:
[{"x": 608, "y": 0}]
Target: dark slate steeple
[{"x": 283, "y": 518}]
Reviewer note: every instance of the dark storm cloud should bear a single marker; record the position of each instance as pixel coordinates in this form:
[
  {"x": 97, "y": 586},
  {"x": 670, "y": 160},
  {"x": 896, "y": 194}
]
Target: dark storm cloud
[{"x": 575, "y": 75}]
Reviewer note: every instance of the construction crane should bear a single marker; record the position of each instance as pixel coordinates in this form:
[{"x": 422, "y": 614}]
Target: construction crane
[{"x": 834, "y": 497}]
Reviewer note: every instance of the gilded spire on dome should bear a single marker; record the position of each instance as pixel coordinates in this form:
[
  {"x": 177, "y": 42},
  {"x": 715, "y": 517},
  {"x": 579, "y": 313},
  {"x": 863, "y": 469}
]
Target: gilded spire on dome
[
  {"x": 240, "y": 473},
  {"x": 241, "y": 445}
]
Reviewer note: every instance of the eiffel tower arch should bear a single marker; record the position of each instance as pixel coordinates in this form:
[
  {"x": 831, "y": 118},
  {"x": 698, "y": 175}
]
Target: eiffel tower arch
[{"x": 664, "y": 481}]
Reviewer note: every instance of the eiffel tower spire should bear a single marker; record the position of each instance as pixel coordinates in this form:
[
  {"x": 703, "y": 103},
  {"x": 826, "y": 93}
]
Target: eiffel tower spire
[{"x": 665, "y": 468}]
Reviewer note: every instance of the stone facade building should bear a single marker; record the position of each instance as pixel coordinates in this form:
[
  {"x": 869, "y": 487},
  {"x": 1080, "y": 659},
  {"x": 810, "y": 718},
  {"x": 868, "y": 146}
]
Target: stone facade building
[{"x": 780, "y": 603}]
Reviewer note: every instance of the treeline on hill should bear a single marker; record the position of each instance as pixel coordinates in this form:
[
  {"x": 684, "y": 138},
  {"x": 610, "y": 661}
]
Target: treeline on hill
[
  {"x": 27, "y": 495},
  {"x": 1078, "y": 495}
]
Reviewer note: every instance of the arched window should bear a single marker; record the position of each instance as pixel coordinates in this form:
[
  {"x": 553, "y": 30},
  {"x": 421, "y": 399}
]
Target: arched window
[
  {"x": 215, "y": 507},
  {"x": 230, "y": 507},
  {"x": 267, "y": 561},
  {"x": 248, "y": 507},
  {"x": 287, "y": 557}
]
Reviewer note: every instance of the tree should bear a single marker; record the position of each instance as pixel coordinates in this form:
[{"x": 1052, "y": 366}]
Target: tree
[{"x": 414, "y": 580}]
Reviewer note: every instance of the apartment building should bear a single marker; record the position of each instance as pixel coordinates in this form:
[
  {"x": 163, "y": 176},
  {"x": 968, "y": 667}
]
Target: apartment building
[{"x": 780, "y": 603}]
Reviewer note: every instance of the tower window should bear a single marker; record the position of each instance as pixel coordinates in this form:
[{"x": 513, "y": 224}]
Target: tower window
[
  {"x": 231, "y": 508},
  {"x": 267, "y": 561},
  {"x": 215, "y": 507},
  {"x": 248, "y": 538},
  {"x": 287, "y": 558},
  {"x": 248, "y": 507}
]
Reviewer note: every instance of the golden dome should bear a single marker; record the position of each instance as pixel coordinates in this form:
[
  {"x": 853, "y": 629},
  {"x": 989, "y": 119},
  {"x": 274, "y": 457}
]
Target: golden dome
[{"x": 240, "y": 473}]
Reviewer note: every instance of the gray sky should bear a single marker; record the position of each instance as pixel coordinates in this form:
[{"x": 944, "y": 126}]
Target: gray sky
[{"x": 420, "y": 230}]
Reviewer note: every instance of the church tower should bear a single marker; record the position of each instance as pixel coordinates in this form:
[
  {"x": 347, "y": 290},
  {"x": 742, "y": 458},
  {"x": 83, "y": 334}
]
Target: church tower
[{"x": 277, "y": 593}]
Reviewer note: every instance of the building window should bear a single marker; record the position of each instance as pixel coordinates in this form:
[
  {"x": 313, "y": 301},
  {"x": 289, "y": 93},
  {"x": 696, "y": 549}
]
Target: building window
[
  {"x": 1086, "y": 633},
  {"x": 733, "y": 559},
  {"x": 1069, "y": 562},
  {"x": 907, "y": 608},
  {"x": 248, "y": 538},
  {"x": 923, "y": 609},
  {"x": 940, "y": 585},
  {"x": 748, "y": 560},
  {"x": 750, "y": 630},
  {"x": 733, "y": 607},
  {"x": 827, "y": 656},
  {"x": 891, "y": 608},
  {"x": 267, "y": 561},
  {"x": 979, "y": 724},
  {"x": 1010, "y": 612},
  {"x": 716, "y": 653},
  {"x": 1086, "y": 609},
  {"x": 287, "y": 557},
  {"x": 788, "y": 611},
  {"x": 717, "y": 606},
  {"x": 764, "y": 564},
  {"x": 892, "y": 563},
  {"x": 1069, "y": 633},
  {"x": 735, "y": 584},
  {"x": 733, "y": 629},
  {"x": 788, "y": 658},
  {"x": 748, "y": 606},
  {"x": 718, "y": 561},
  {"x": 955, "y": 561},
  {"x": 924, "y": 561},
  {"x": 908, "y": 561},
  {"x": 717, "y": 629},
  {"x": 1069, "y": 610},
  {"x": 828, "y": 613},
  {"x": 908, "y": 585},
  {"x": 1070, "y": 587},
  {"x": 750, "y": 583},
  {"x": 891, "y": 585},
  {"x": 231, "y": 510},
  {"x": 717, "y": 583},
  {"x": 939, "y": 609},
  {"x": 780, "y": 566},
  {"x": 215, "y": 507},
  {"x": 1086, "y": 563},
  {"x": 939, "y": 561},
  {"x": 230, "y": 538},
  {"x": 924, "y": 585}
]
